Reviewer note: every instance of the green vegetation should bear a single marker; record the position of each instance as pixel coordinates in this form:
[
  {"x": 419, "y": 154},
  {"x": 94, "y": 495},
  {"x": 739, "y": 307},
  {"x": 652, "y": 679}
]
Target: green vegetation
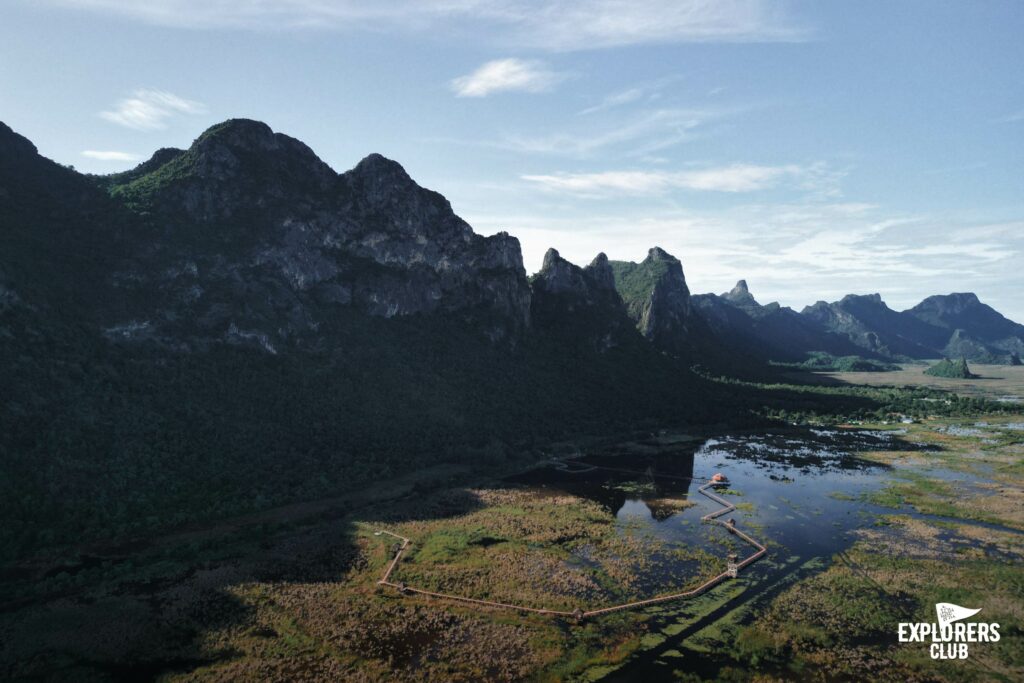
[
  {"x": 821, "y": 361},
  {"x": 841, "y": 623},
  {"x": 949, "y": 368},
  {"x": 102, "y": 441},
  {"x": 838, "y": 403},
  {"x": 636, "y": 281}
]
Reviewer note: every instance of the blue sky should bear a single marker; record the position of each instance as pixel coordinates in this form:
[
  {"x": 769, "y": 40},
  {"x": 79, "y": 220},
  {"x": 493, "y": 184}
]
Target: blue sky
[{"x": 813, "y": 148}]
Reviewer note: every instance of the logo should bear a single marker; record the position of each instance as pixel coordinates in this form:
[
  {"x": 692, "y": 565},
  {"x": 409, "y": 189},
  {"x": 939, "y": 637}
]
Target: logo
[{"x": 950, "y": 636}]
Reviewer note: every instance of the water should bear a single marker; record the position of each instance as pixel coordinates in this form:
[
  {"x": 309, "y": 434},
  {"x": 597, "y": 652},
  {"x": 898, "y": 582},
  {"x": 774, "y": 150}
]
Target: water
[{"x": 799, "y": 493}]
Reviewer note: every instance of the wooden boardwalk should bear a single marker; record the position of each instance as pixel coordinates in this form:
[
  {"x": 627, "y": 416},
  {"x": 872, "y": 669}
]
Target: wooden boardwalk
[{"x": 580, "y": 614}]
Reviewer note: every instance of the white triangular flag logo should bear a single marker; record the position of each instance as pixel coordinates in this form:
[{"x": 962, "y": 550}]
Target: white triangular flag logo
[{"x": 948, "y": 613}]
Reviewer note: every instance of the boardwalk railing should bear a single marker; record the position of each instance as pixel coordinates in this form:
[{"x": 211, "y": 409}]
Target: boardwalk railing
[{"x": 579, "y": 614}]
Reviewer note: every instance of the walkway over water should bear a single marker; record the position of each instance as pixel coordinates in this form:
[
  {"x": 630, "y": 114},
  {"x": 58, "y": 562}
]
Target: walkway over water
[{"x": 579, "y": 614}]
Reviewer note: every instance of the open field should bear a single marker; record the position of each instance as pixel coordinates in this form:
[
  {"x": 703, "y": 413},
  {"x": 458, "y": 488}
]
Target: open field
[{"x": 995, "y": 381}]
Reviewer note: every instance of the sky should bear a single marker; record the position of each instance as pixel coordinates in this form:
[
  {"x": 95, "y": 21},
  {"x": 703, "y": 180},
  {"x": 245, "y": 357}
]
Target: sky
[{"x": 815, "y": 149}]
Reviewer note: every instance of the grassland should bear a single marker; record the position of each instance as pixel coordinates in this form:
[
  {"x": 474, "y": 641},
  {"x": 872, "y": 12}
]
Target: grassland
[
  {"x": 520, "y": 545},
  {"x": 993, "y": 381},
  {"x": 839, "y": 624}
]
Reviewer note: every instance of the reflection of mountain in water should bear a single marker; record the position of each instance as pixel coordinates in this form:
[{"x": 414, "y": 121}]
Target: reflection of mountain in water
[{"x": 661, "y": 481}]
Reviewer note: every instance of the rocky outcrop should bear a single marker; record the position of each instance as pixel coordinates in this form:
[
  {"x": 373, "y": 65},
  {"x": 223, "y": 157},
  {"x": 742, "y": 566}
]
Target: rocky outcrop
[
  {"x": 657, "y": 299},
  {"x": 740, "y": 296},
  {"x": 579, "y": 303},
  {"x": 248, "y": 237}
]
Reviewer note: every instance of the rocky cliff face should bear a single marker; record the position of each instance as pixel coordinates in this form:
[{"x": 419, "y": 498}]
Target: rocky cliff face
[
  {"x": 580, "y": 303},
  {"x": 657, "y": 298},
  {"x": 740, "y": 296},
  {"x": 248, "y": 237}
]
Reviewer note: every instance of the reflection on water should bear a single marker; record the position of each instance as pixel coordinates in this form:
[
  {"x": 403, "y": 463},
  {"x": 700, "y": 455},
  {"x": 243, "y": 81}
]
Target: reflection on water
[
  {"x": 798, "y": 491},
  {"x": 787, "y": 483}
]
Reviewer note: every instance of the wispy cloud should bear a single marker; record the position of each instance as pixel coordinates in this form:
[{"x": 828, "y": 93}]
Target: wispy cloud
[
  {"x": 613, "y": 23},
  {"x": 793, "y": 252},
  {"x": 731, "y": 178},
  {"x": 148, "y": 109},
  {"x": 641, "y": 91},
  {"x": 110, "y": 155},
  {"x": 505, "y": 75},
  {"x": 643, "y": 133},
  {"x": 1014, "y": 117},
  {"x": 557, "y": 25}
]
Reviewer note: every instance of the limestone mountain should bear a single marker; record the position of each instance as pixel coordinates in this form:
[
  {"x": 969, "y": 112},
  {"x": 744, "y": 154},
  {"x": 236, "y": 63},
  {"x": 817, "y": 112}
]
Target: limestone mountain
[
  {"x": 870, "y": 324},
  {"x": 978, "y": 330},
  {"x": 249, "y": 237},
  {"x": 236, "y": 326},
  {"x": 657, "y": 299},
  {"x": 580, "y": 303},
  {"x": 741, "y": 297},
  {"x": 951, "y": 325},
  {"x": 769, "y": 331},
  {"x": 951, "y": 369}
]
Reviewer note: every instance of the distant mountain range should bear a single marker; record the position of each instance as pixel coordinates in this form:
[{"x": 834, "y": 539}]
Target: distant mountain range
[
  {"x": 247, "y": 238},
  {"x": 953, "y": 325}
]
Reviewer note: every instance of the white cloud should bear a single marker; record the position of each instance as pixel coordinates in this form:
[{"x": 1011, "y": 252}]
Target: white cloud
[
  {"x": 545, "y": 24},
  {"x": 506, "y": 75},
  {"x": 732, "y": 178},
  {"x": 150, "y": 109},
  {"x": 617, "y": 99},
  {"x": 110, "y": 155}
]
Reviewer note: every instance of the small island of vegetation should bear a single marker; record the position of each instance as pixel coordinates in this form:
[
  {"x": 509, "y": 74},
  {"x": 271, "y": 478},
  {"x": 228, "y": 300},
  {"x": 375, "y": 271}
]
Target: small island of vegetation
[
  {"x": 822, "y": 361},
  {"x": 953, "y": 369}
]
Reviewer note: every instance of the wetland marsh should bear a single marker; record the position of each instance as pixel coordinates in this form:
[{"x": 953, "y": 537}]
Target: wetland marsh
[{"x": 866, "y": 526}]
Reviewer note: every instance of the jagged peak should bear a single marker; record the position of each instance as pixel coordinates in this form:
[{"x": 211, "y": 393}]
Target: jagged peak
[
  {"x": 740, "y": 294},
  {"x": 380, "y": 177},
  {"x": 600, "y": 270},
  {"x": 559, "y": 275},
  {"x": 655, "y": 254},
  {"x": 551, "y": 260},
  {"x": 378, "y": 164}
]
